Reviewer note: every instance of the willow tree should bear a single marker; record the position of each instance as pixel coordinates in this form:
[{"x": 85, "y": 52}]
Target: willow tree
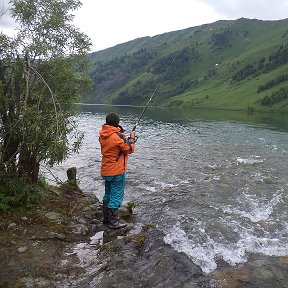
[{"x": 41, "y": 77}]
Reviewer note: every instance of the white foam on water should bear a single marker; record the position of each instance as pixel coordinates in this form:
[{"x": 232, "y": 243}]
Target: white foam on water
[
  {"x": 213, "y": 166},
  {"x": 254, "y": 209},
  {"x": 249, "y": 237},
  {"x": 149, "y": 188},
  {"x": 266, "y": 244},
  {"x": 249, "y": 161},
  {"x": 272, "y": 147},
  {"x": 202, "y": 256},
  {"x": 164, "y": 185},
  {"x": 160, "y": 185},
  {"x": 174, "y": 182},
  {"x": 205, "y": 254},
  {"x": 257, "y": 176}
]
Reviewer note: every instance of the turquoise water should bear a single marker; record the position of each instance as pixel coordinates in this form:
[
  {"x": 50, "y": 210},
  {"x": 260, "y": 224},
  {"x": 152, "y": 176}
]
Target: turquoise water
[{"x": 215, "y": 182}]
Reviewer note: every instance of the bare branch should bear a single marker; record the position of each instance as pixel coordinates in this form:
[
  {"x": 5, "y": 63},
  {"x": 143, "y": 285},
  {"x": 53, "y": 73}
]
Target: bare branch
[
  {"x": 3, "y": 10},
  {"x": 54, "y": 99}
]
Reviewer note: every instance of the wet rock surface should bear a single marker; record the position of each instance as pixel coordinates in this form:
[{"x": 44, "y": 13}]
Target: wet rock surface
[
  {"x": 140, "y": 260},
  {"x": 259, "y": 272},
  {"x": 32, "y": 241},
  {"x": 65, "y": 244}
]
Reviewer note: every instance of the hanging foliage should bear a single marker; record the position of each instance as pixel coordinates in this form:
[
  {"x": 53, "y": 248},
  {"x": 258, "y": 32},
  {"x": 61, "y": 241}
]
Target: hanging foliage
[{"x": 41, "y": 77}]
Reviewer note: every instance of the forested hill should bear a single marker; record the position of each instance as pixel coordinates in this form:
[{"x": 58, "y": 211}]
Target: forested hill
[{"x": 239, "y": 64}]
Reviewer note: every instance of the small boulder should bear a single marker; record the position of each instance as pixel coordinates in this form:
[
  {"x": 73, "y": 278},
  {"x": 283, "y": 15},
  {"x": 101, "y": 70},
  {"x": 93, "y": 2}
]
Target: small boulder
[
  {"x": 79, "y": 229},
  {"x": 124, "y": 212},
  {"x": 22, "y": 249},
  {"x": 55, "y": 217},
  {"x": 11, "y": 225}
]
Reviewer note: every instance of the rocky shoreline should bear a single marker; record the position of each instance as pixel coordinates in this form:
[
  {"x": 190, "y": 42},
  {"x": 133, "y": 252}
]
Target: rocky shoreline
[
  {"x": 64, "y": 244},
  {"x": 32, "y": 241}
]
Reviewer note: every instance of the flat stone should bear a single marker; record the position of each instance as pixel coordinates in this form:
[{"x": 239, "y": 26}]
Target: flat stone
[
  {"x": 79, "y": 229},
  {"x": 22, "y": 249},
  {"x": 88, "y": 213},
  {"x": 82, "y": 221},
  {"x": 55, "y": 217},
  {"x": 56, "y": 235},
  {"x": 124, "y": 212},
  {"x": 11, "y": 225}
]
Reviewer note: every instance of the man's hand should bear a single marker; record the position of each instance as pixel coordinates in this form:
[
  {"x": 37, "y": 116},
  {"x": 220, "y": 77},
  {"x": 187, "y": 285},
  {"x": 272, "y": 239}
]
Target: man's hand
[{"x": 132, "y": 136}]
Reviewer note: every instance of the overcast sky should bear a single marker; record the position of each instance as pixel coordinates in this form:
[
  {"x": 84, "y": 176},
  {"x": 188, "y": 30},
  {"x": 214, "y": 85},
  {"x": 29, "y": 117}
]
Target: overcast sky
[{"x": 111, "y": 22}]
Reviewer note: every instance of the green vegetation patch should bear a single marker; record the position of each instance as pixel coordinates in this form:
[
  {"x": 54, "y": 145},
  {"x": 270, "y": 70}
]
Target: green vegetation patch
[
  {"x": 223, "y": 65},
  {"x": 16, "y": 192}
]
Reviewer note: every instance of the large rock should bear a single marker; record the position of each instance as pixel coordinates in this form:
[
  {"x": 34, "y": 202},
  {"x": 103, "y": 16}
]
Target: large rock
[
  {"x": 55, "y": 217},
  {"x": 142, "y": 260}
]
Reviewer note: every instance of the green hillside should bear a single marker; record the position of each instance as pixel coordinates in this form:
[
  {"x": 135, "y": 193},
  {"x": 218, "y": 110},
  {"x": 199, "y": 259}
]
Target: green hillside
[{"x": 240, "y": 64}]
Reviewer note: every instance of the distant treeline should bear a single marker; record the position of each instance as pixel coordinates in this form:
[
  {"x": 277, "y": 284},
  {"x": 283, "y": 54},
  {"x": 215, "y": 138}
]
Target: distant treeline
[
  {"x": 171, "y": 69},
  {"x": 275, "y": 59},
  {"x": 176, "y": 64},
  {"x": 195, "y": 66},
  {"x": 246, "y": 71},
  {"x": 273, "y": 83},
  {"x": 221, "y": 40},
  {"x": 276, "y": 97},
  {"x": 139, "y": 92},
  {"x": 109, "y": 75}
]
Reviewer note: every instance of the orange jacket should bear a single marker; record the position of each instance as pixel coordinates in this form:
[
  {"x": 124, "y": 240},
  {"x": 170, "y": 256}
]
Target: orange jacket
[{"x": 115, "y": 149}]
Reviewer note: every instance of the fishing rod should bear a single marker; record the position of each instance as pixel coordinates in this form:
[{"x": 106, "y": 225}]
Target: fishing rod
[{"x": 155, "y": 90}]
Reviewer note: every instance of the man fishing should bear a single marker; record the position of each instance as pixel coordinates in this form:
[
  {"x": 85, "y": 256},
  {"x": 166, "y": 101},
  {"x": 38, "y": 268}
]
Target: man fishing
[{"x": 115, "y": 148}]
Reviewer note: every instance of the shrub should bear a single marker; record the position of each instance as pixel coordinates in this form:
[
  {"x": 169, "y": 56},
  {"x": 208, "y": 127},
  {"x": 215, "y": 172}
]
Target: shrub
[{"x": 17, "y": 192}]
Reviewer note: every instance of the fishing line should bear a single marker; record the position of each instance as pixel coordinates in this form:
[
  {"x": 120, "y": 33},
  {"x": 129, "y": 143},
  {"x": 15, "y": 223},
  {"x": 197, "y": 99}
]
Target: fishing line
[{"x": 155, "y": 90}]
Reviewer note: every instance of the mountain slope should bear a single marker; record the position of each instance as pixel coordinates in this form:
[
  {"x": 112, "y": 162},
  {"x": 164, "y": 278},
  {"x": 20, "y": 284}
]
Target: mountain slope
[{"x": 240, "y": 64}]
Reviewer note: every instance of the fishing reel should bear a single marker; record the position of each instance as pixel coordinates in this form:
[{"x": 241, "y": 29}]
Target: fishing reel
[{"x": 135, "y": 139}]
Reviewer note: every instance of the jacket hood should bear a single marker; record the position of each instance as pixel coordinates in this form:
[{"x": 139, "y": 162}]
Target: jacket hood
[{"x": 107, "y": 131}]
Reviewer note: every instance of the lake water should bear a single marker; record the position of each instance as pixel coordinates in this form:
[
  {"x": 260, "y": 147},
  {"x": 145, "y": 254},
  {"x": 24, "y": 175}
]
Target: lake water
[{"x": 215, "y": 182}]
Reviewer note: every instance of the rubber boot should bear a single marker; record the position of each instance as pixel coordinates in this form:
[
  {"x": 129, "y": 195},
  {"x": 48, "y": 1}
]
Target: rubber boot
[
  {"x": 114, "y": 220},
  {"x": 105, "y": 213}
]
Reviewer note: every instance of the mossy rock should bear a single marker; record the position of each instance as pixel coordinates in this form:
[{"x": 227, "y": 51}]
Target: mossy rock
[{"x": 231, "y": 279}]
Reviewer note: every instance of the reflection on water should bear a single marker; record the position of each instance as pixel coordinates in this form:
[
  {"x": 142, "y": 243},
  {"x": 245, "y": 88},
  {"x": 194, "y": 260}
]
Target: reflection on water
[
  {"x": 278, "y": 121},
  {"x": 215, "y": 182}
]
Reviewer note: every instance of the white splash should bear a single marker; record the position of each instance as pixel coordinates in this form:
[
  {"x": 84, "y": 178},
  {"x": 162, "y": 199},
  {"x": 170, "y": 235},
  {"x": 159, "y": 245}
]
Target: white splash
[
  {"x": 255, "y": 209},
  {"x": 201, "y": 255},
  {"x": 205, "y": 254},
  {"x": 249, "y": 161},
  {"x": 164, "y": 185}
]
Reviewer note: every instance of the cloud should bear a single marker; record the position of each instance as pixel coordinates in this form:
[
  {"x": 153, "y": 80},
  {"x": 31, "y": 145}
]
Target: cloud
[
  {"x": 259, "y": 9},
  {"x": 111, "y": 22},
  {"x": 7, "y": 23}
]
